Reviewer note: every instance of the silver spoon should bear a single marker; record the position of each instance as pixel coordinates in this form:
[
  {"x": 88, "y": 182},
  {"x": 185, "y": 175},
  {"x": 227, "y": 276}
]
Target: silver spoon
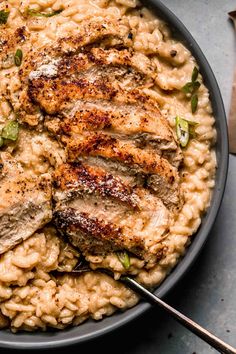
[{"x": 195, "y": 328}]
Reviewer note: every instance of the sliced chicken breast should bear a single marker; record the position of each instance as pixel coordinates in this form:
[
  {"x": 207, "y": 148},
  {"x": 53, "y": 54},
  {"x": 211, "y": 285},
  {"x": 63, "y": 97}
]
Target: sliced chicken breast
[
  {"x": 101, "y": 214},
  {"x": 119, "y": 188},
  {"x": 25, "y": 203}
]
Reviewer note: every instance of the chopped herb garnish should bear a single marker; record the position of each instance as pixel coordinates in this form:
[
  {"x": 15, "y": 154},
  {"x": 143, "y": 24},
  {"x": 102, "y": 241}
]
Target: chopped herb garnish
[
  {"x": 187, "y": 88},
  {"x": 192, "y": 132},
  {"x": 1, "y": 141},
  {"x": 185, "y": 129},
  {"x": 194, "y": 102},
  {"x": 191, "y": 126},
  {"x": 124, "y": 259},
  {"x": 196, "y": 85},
  {"x": 182, "y": 131},
  {"x": 191, "y": 123},
  {"x": 191, "y": 88},
  {"x": 195, "y": 74},
  {"x": 32, "y": 12},
  {"x": 18, "y": 57},
  {"x": 11, "y": 130},
  {"x": 4, "y": 16}
]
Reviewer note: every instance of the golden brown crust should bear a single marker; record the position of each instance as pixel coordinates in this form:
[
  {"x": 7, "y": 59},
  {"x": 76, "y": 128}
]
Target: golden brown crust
[
  {"x": 92, "y": 32},
  {"x": 54, "y": 95},
  {"x": 94, "y": 236},
  {"x": 100, "y": 144},
  {"x": 83, "y": 178},
  {"x": 10, "y": 40},
  {"x": 114, "y": 117},
  {"x": 99, "y": 31}
]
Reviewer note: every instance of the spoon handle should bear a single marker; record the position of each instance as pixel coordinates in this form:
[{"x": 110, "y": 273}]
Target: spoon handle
[{"x": 201, "y": 332}]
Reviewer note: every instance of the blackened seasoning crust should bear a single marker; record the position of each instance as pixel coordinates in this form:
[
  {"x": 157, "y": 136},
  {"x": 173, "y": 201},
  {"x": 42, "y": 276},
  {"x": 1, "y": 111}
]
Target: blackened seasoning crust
[
  {"x": 90, "y": 179},
  {"x": 94, "y": 236}
]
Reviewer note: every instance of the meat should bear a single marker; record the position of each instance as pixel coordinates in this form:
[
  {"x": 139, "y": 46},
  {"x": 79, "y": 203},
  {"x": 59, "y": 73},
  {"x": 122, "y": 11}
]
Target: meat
[
  {"x": 97, "y": 32},
  {"x": 9, "y": 40},
  {"x": 93, "y": 236},
  {"x": 100, "y": 213},
  {"x": 141, "y": 161},
  {"x": 119, "y": 188},
  {"x": 57, "y": 84},
  {"x": 79, "y": 178},
  {"x": 101, "y": 89},
  {"x": 25, "y": 203},
  {"x": 96, "y": 64},
  {"x": 113, "y": 116},
  {"x": 46, "y": 58}
]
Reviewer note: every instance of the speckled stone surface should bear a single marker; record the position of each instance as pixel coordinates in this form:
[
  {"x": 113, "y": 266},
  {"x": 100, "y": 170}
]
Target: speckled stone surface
[{"x": 208, "y": 292}]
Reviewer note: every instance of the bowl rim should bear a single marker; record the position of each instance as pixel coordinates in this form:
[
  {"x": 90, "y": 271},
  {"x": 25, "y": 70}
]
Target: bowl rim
[{"x": 18, "y": 341}]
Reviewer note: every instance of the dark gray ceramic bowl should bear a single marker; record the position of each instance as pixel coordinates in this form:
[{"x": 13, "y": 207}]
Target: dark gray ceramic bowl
[{"x": 90, "y": 329}]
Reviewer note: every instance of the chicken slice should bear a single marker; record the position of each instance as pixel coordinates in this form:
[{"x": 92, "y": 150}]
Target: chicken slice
[
  {"x": 101, "y": 214},
  {"x": 78, "y": 178},
  {"x": 93, "y": 236},
  {"x": 142, "y": 161},
  {"x": 90, "y": 32},
  {"x": 104, "y": 32},
  {"x": 25, "y": 203},
  {"x": 132, "y": 112},
  {"x": 54, "y": 94},
  {"x": 146, "y": 127},
  {"x": 128, "y": 68}
]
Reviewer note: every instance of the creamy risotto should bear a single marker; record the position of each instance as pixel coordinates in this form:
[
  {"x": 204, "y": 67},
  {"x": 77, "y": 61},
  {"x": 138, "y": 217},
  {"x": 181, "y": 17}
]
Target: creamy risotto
[{"x": 36, "y": 288}]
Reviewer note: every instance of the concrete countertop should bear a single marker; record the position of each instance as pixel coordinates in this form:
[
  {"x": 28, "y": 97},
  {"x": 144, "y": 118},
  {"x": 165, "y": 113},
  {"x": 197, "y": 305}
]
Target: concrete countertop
[{"x": 208, "y": 292}]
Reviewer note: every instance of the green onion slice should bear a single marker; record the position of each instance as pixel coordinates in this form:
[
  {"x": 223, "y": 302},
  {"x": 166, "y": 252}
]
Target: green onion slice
[
  {"x": 182, "y": 131},
  {"x": 192, "y": 126},
  {"x": 191, "y": 122},
  {"x": 187, "y": 88},
  {"x": 194, "y": 103},
  {"x": 191, "y": 87},
  {"x": 124, "y": 259},
  {"x": 10, "y": 131},
  {"x": 18, "y": 57},
  {"x": 32, "y": 12},
  {"x": 4, "y": 16},
  {"x": 192, "y": 132},
  {"x": 195, "y": 74},
  {"x": 196, "y": 85}
]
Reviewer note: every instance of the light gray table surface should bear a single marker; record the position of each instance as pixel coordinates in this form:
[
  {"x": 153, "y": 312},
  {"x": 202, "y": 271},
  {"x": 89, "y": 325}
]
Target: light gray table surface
[{"x": 208, "y": 292}]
